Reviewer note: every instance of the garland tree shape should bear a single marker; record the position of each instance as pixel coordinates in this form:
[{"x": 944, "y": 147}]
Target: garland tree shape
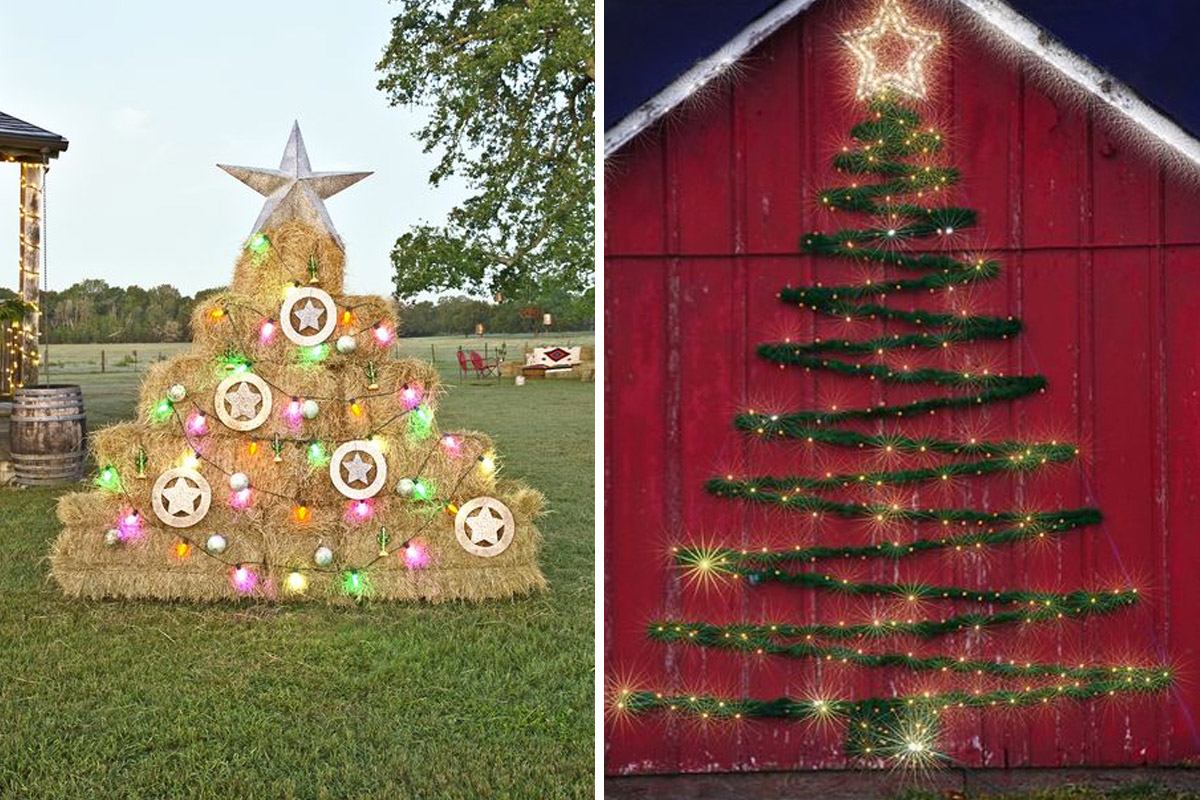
[
  {"x": 287, "y": 456},
  {"x": 892, "y": 146}
]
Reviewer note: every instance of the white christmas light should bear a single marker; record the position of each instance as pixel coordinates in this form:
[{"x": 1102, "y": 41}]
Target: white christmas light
[{"x": 872, "y": 78}]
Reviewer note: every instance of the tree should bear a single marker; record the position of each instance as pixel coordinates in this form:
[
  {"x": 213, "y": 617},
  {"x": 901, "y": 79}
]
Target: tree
[
  {"x": 906, "y": 492},
  {"x": 288, "y": 457},
  {"x": 510, "y": 86}
]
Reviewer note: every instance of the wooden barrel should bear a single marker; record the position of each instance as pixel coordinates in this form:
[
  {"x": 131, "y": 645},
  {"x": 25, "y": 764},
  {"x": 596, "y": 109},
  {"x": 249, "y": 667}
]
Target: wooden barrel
[{"x": 48, "y": 429}]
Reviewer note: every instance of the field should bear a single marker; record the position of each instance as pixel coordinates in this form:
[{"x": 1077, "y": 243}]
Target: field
[{"x": 140, "y": 700}]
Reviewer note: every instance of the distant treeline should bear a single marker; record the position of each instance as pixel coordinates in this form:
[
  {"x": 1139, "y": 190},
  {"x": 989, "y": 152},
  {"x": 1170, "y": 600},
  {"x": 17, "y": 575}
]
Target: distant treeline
[{"x": 91, "y": 311}]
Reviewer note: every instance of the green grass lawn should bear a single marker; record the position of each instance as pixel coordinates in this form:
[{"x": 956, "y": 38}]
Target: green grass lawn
[{"x": 157, "y": 700}]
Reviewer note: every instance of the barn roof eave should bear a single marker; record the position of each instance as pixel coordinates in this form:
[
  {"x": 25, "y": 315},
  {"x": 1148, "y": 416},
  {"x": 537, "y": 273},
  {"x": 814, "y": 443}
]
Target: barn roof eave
[{"x": 1016, "y": 30}]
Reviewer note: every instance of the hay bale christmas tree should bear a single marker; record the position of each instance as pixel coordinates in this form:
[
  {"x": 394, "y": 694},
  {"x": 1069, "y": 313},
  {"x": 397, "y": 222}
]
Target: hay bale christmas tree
[{"x": 287, "y": 457}]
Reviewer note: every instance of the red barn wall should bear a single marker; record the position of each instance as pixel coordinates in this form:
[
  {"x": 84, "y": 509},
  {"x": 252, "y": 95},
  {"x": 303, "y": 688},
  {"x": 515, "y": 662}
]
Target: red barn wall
[{"x": 1099, "y": 245}]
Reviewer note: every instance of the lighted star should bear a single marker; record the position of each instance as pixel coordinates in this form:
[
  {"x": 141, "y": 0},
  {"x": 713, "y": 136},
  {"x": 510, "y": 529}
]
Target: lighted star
[
  {"x": 873, "y": 79},
  {"x": 485, "y": 527},
  {"x": 294, "y": 191},
  {"x": 243, "y": 404},
  {"x": 308, "y": 315},
  {"x": 181, "y": 497},
  {"x": 357, "y": 469}
]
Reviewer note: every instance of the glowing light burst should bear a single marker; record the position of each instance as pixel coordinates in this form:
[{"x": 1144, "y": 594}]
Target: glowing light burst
[
  {"x": 865, "y": 43},
  {"x": 704, "y": 566},
  {"x": 910, "y": 743}
]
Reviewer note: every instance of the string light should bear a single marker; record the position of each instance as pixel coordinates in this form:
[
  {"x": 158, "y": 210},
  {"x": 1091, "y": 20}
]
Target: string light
[
  {"x": 244, "y": 579},
  {"x": 410, "y": 396},
  {"x": 296, "y": 582},
  {"x": 382, "y": 333},
  {"x": 267, "y": 332},
  {"x": 182, "y": 550},
  {"x": 197, "y": 424},
  {"x": 415, "y": 555},
  {"x": 258, "y": 243}
]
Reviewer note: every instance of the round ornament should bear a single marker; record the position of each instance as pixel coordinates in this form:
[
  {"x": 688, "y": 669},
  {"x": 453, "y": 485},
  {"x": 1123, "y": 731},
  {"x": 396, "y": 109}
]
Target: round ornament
[
  {"x": 358, "y": 469},
  {"x": 346, "y": 344},
  {"x": 484, "y": 527},
  {"x": 239, "y": 481},
  {"x": 112, "y": 537},
  {"x": 243, "y": 402},
  {"x": 216, "y": 544},
  {"x": 405, "y": 487},
  {"x": 308, "y": 316},
  {"x": 309, "y": 409},
  {"x": 181, "y": 497},
  {"x": 177, "y": 393},
  {"x": 323, "y": 556}
]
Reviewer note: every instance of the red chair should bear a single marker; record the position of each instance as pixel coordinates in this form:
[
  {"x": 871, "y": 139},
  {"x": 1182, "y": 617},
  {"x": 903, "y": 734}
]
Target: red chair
[
  {"x": 483, "y": 368},
  {"x": 463, "y": 366}
]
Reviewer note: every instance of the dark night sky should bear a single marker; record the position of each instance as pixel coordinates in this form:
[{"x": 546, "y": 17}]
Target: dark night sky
[{"x": 1146, "y": 44}]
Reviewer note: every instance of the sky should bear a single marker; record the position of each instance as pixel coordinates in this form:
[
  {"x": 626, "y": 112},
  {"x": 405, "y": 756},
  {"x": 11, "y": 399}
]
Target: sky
[{"x": 152, "y": 95}]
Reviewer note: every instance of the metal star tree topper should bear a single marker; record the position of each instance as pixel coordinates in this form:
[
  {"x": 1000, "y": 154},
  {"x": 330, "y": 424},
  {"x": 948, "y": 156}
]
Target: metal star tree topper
[
  {"x": 294, "y": 191},
  {"x": 864, "y": 43}
]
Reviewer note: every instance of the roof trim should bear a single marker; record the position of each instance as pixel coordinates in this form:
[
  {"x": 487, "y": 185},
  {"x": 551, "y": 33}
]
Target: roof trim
[
  {"x": 1021, "y": 33},
  {"x": 704, "y": 71},
  {"x": 26, "y": 142}
]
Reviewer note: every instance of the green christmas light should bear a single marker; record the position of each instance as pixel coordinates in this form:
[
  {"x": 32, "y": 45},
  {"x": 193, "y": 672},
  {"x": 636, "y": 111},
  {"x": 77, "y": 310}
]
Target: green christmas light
[
  {"x": 354, "y": 583},
  {"x": 422, "y": 490},
  {"x": 420, "y": 421},
  {"x": 314, "y": 354},
  {"x": 108, "y": 479},
  {"x": 317, "y": 455},
  {"x": 258, "y": 243},
  {"x": 161, "y": 411}
]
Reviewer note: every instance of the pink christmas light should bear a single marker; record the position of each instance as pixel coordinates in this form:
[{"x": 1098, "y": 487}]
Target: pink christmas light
[
  {"x": 244, "y": 579},
  {"x": 451, "y": 445},
  {"x": 359, "y": 510},
  {"x": 291, "y": 413},
  {"x": 240, "y": 499},
  {"x": 130, "y": 525},
  {"x": 415, "y": 555},
  {"x": 197, "y": 424},
  {"x": 383, "y": 334},
  {"x": 267, "y": 332},
  {"x": 410, "y": 396}
]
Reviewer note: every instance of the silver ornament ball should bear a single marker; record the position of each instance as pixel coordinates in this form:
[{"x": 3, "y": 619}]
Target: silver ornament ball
[
  {"x": 323, "y": 556},
  {"x": 346, "y": 344},
  {"x": 112, "y": 537},
  {"x": 177, "y": 392},
  {"x": 216, "y": 544},
  {"x": 405, "y": 487},
  {"x": 239, "y": 481},
  {"x": 309, "y": 409}
]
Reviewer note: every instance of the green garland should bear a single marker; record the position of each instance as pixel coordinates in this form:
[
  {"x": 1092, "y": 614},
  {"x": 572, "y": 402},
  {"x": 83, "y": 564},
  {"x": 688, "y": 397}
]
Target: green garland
[{"x": 902, "y": 726}]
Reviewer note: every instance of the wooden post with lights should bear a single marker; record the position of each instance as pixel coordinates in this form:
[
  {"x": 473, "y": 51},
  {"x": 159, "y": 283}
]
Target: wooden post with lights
[
  {"x": 24, "y": 334},
  {"x": 32, "y": 148}
]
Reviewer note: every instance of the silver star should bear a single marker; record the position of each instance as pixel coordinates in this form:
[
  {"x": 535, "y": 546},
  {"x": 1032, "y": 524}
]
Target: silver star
[
  {"x": 243, "y": 404},
  {"x": 294, "y": 191},
  {"x": 485, "y": 527},
  {"x": 181, "y": 497},
  {"x": 356, "y": 470},
  {"x": 308, "y": 315}
]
